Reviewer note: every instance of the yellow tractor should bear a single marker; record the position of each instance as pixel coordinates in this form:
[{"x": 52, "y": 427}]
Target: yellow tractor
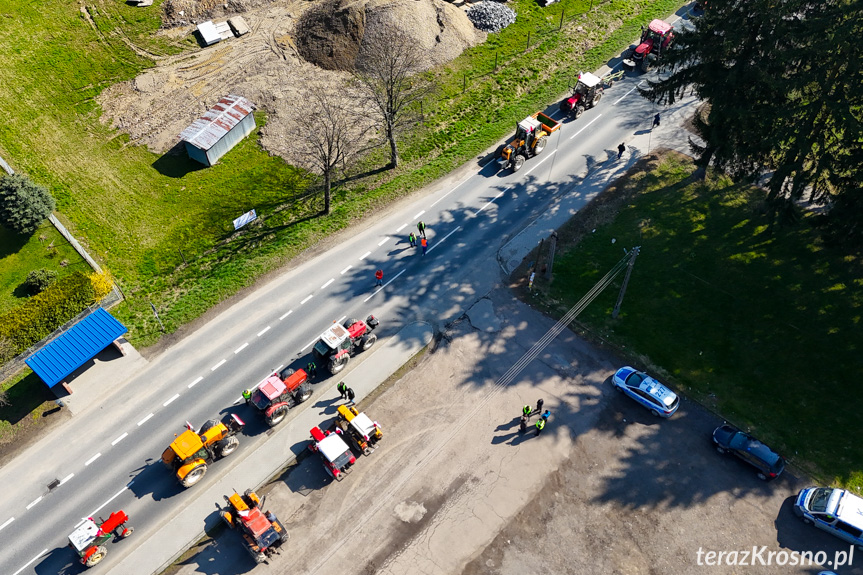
[
  {"x": 363, "y": 433},
  {"x": 531, "y": 137},
  {"x": 192, "y": 451}
]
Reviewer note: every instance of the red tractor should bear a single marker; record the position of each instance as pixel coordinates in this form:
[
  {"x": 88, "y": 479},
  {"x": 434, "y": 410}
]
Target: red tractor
[
  {"x": 261, "y": 531},
  {"x": 279, "y": 393},
  {"x": 335, "y": 453},
  {"x": 655, "y": 39},
  {"x": 89, "y": 537},
  {"x": 340, "y": 342},
  {"x": 585, "y": 94}
]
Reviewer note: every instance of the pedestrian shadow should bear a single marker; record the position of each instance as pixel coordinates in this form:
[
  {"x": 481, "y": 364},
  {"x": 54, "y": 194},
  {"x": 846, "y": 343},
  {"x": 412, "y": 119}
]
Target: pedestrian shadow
[
  {"x": 508, "y": 425},
  {"x": 329, "y": 406},
  {"x": 399, "y": 250},
  {"x": 642, "y": 132}
]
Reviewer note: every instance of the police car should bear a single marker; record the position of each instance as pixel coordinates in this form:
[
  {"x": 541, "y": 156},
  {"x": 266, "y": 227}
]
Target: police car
[
  {"x": 661, "y": 401},
  {"x": 836, "y": 511}
]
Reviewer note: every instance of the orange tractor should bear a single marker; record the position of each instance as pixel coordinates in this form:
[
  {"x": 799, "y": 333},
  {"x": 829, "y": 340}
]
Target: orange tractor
[
  {"x": 89, "y": 538},
  {"x": 531, "y": 137},
  {"x": 192, "y": 451},
  {"x": 261, "y": 531}
]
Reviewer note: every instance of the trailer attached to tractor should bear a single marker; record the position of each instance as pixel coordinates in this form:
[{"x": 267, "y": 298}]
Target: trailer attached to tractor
[{"x": 531, "y": 137}]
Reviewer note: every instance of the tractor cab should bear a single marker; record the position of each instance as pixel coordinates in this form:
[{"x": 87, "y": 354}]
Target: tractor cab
[
  {"x": 654, "y": 39},
  {"x": 89, "y": 538},
  {"x": 526, "y": 131},
  {"x": 268, "y": 392},
  {"x": 586, "y": 92},
  {"x": 335, "y": 339}
]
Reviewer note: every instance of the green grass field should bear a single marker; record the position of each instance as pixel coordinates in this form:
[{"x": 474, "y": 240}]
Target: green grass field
[{"x": 761, "y": 323}]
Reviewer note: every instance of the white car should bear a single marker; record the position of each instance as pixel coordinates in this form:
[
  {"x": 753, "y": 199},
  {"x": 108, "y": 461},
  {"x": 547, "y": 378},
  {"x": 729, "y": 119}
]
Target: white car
[{"x": 661, "y": 401}]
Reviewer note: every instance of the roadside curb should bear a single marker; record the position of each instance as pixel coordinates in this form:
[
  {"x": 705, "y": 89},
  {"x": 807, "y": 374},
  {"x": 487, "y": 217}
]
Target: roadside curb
[{"x": 255, "y": 468}]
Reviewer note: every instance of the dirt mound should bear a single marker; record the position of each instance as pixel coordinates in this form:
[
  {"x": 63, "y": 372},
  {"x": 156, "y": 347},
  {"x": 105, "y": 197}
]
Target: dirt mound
[{"x": 330, "y": 35}]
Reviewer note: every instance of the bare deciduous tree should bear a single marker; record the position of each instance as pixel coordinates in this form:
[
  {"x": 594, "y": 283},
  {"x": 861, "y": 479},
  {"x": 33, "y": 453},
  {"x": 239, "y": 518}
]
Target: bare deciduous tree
[{"x": 387, "y": 72}]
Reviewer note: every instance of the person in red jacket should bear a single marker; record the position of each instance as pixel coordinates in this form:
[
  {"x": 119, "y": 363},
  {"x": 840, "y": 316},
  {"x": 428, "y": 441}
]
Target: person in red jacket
[{"x": 379, "y": 278}]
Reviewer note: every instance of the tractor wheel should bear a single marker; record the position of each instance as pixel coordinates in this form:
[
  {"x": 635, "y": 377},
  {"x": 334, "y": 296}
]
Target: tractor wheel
[
  {"x": 125, "y": 532},
  {"x": 194, "y": 476},
  {"x": 227, "y": 446},
  {"x": 208, "y": 425},
  {"x": 596, "y": 99},
  {"x": 540, "y": 145},
  {"x": 284, "y": 536},
  {"x": 645, "y": 65},
  {"x": 579, "y": 110},
  {"x": 224, "y": 517},
  {"x": 517, "y": 162},
  {"x": 286, "y": 373},
  {"x": 303, "y": 393},
  {"x": 277, "y": 416},
  {"x": 96, "y": 557},
  {"x": 564, "y": 107},
  {"x": 368, "y": 342},
  {"x": 626, "y": 53},
  {"x": 338, "y": 364},
  {"x": 349, "y": 322},
  {"x": 260, "y": 558}
]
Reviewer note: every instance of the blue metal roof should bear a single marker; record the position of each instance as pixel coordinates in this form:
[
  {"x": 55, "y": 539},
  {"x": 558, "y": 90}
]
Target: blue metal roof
[{"x": 73, "y": 348}]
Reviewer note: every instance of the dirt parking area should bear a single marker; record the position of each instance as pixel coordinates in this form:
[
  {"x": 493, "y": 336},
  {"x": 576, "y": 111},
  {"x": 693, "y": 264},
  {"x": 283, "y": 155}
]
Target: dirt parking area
[{"x": 455, "y": 488}]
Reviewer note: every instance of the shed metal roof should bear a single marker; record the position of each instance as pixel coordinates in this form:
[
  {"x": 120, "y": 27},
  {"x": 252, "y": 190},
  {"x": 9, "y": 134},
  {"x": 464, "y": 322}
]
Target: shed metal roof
[
  {"x": 204, "y": 132},
  {"x": 73, "y": 348}
]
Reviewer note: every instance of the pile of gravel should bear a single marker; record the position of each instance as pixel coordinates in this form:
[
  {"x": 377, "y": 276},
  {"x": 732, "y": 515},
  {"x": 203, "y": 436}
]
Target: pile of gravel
[{"x": 491, "y": 16}]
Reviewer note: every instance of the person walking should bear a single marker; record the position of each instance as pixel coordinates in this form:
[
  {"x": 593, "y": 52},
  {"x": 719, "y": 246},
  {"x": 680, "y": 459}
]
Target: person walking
[
  {"x": 421, "y": 228},
  {"x": 526, "y": 411},
  {"x": 342, "y": 389},
  {"x": 312, "y": 370},
  {"x": 540, "y": 425},
  {"x": 656, "y": 121},
  {"x": 351, "y": 395},
  {"x": 620, "y": 149},
  {"x": 379, "y": 278},
  {"x": 424, "y": 243},
  {"x": 413, "y": 240},
  {"x": 539, "y": 403}
]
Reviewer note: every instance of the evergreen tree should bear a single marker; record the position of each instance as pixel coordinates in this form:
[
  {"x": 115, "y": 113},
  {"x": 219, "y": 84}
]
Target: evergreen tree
[{"x": 23, "y": 204}]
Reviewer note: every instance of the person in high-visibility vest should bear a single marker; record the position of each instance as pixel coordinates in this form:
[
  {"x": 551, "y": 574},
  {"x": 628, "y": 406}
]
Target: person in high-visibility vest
[
  {"x": 247, "y": 395},
  {"x": 540, "y": 425},
  {"x": 526, "y": 411},
  {"x": 342, "y": 389}
]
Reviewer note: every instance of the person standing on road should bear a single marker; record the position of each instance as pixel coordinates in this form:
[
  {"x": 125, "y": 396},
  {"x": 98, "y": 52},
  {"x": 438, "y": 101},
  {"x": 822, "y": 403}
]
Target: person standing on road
[
  {"x": 379, "y": 278},
  {"x": 312, "y": 370},
  {"x": 656, "y": 121},
  {"x": 413, "y": 240},
  {"x": 522, "y": 425},
  {"x": 540, "y": 425},
  {"x": 539, "y": 403},
  {"x": 421, "y": 228},
  {"x": 526, "y": 411},
  {"x": 342, "y": 389},
  {"x": 546, "y": 415},
  {"x": 351, "y": 395},
  {"x": 424, "y": 243},
  {"x": 247, "y": 395},
  {"x": 620, "y": 149}
]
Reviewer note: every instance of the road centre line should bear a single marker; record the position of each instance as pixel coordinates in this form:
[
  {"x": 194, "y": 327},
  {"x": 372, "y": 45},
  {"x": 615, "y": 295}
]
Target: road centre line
[
  {"x": 419, "y": 214},
  {"x": 220, "y": 364},
  {"x": 241, "y": 348},
  {"x": 145, "y": 420},
  {"x": 167, "y": 403},
  {"x": 628, "y": 93},
  {"x": 34, "y": 502},
  {"x": 92, "y": 459},
  {"x": 290, "y": 311},
  {"x": 365, "y": 255},
  {"x": 439, "y": 242},
  {"x": 125, "y": 435},
  {"x": 489, "y": 203},
  {"x": 197, "y": 381},
  {"x": 310, "y": 296},
  {"x": 113, "y": 497},
  {"x": 383, "y": 241},
  {"x": 341, "y": 319},
  {"x": 7, "y": 522},
  {"x": 403, "y": 226},
  {"x": 328, "y": 283},
  {"x": 383, "y": 286},
  {"x": 449, "y": 192},
  {"x": 44, "y": 551},
  {"x": 263, "y": 331},
  {"x": 67, "y": 478},
  {"x": 308, "y": 344},
  {"x": 344, "y": 270},
  {"x": 541, "y": 161},
  {"x": 598, "y": 116}
]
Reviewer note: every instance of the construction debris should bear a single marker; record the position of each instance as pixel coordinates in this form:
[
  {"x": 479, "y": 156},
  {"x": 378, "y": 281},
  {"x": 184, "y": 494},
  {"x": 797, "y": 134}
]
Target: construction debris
[{"x": 491, "y": 16}]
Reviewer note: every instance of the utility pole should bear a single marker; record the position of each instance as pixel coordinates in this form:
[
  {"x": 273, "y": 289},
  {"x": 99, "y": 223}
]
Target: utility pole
[
  {"x": 155, "y": 313},
  {"x": 632, "y": 255},
  {"x": 552, "y": 246}
]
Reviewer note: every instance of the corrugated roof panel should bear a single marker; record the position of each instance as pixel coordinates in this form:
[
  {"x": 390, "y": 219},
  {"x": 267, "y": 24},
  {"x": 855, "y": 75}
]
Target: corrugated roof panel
[
  {"x": 72, "y": 349},
  {"x": 204, "y": 132}
]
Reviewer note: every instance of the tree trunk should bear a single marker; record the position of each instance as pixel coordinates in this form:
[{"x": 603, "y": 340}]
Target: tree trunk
[
  {"x": 394, "y": 152},
  {"x": 327, "y": 187}
]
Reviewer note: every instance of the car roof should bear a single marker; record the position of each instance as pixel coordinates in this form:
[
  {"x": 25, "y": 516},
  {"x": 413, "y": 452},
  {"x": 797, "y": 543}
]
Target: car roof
[
  {"x": 334, "y": 335},
  {"x": 588, "y": 79},
  {"x": 749, "y": 444},
  {"x": 851, "y": 509}
]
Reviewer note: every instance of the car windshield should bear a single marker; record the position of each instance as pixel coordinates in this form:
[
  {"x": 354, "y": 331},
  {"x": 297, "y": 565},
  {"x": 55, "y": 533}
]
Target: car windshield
[
  {"x": 635, "y": 378},
  {"x": 820, "y": 499}
]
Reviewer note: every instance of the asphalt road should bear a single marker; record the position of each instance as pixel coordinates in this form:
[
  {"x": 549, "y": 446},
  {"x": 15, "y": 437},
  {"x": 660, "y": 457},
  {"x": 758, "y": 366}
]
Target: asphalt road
[{"x": 108, "y": 458}]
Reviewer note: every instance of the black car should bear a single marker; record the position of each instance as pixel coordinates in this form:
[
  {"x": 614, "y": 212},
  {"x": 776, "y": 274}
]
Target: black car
[{"x": 730, "y": 440}]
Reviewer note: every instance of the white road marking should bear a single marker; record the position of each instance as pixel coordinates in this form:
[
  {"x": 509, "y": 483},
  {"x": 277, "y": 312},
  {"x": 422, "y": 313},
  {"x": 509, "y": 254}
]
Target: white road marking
[
  {"x": 145, "y": 420},
  {"x": 30, "y": 561},
  {"x": 328, "y": 283},
  {"x": 403, "y": 226},
  {"x": 263, "y": 331},
  {"x": 290, "y": 311},
  {"x": 125, "y": 435},
  {"x": 34, "y": 502},
  {"x": 419, "y": 214},
  {"x": 67, "y": 478},
  {"x": 365, "y": 255},
  {"x": 167, "y": 403},
  {"x": 113, "y": 497},
  {"x": 341, "y": 319},
  {"x": 8, "y": 521},
  {"x": 451, "y": 191},
  {"x": 92, "y": 459},
  {"x": 383, "y": 241},
  {"x": 241, "y": 348},
  {"x": 308, "y": 344},
  {"x": 383, "y": 286},
  {"x": 439, "y": 242},
  {"x": 220, "y": 364},
  {"x": 197, "y": 381},
  {"x": 489, "y": 203},
  {"x": 538, "y": 164},
  {"x": 344, "y": 270},
  {"x": 628, "y": 93},
  {"x": 307, "y": 299},
  {"x": 598, "y": 116}
]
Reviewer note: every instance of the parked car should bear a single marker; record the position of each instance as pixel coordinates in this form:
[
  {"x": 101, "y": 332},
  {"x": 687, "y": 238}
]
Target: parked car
[
  {"x": 729, "y": 440},
  {"x": 661, "y": 401},
  {"x": 836, "y": 511}
]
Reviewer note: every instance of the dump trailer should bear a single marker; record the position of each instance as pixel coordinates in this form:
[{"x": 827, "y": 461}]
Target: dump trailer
[
  {"x": 89, "y": 538},
  {"x": 531, "y": 137},
  {"x": 335, "y": 453},
  {"x": 279, "y": 393},
  {"x": 362, "y": 432},
  {"x": 336, "y": 345},
  {"x": 190, "y": 454},
  {"x": 261, "y": 531}
]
